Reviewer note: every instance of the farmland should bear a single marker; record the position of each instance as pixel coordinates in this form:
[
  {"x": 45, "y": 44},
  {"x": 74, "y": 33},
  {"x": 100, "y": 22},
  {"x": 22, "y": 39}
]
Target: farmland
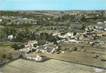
[{"x": 50, "y": 66}]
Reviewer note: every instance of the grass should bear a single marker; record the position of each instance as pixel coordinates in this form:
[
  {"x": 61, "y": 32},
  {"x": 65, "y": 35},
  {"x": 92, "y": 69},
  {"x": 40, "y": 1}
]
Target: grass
[
  {"x": 5, "y": 50},
  {"x": 80, "y": 58}
]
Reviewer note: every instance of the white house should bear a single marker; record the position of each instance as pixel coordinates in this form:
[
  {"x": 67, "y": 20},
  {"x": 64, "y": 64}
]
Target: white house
[
  {"x": 10, "y": 37},
  {"x": 0, "y": 20}
]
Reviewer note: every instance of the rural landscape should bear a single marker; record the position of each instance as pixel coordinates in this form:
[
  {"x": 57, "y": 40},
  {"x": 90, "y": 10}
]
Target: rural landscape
[{"x": 71, "y": 41}]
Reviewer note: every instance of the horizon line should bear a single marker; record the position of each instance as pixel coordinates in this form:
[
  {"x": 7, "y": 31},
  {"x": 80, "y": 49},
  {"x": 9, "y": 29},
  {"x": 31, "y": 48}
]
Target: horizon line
[{"x": 53, "y": 10}]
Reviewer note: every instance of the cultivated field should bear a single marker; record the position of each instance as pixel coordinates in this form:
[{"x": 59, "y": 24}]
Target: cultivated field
[{"x": 50, "y": 66}]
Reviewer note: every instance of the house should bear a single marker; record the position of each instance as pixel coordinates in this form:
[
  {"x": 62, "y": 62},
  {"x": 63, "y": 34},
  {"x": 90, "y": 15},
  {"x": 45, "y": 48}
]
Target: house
[
  {"x": 105, "y": 22},
  {"x": 56, "y": 34},
  {"x": 99, "y": 23},
  {"x": 38, "y": 58},
  {"x": 10, "y": 37},
  {"x": 0, "y": 20},
  {"x": 74, "y": 41},
  {"x": 67, "y": 35},
  {"x": 40, "y": 49},
  {"x": 26, "y": 50},
  {"x": 50, "y": 48},
  {"x": 31, "y": 43}
]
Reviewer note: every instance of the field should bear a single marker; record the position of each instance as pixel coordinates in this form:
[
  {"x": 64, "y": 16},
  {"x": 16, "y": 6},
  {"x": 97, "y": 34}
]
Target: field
[
  {"x": 5, "y": 50},
  {"x": 79, "y": 58},
  {"x": 50, "y": 66},
  {"x": 86, "y": 55}
]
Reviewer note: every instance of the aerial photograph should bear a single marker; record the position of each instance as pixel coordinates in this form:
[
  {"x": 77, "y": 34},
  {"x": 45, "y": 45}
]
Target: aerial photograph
[{"x": 52, "y": 36}]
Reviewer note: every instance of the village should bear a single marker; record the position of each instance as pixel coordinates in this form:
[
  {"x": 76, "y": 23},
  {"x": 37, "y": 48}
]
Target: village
[
  {"x": 91, "y": 34},
  {"x": 77, "y": 37}
]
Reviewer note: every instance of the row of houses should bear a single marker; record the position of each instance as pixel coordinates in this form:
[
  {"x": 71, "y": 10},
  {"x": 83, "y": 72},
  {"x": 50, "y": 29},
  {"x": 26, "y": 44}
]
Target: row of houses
[
  {"x": 100, "y": 26},
  {"x": 37, "y": 58},
  {"x": 80, "y": 37},
  {"x": 46, "y": 48},
  {"x": 70, "y": 37}
]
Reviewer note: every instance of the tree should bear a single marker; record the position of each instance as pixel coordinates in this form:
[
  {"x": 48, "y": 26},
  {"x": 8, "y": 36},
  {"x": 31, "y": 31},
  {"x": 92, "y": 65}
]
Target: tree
[{"x": 17, "y": 46}]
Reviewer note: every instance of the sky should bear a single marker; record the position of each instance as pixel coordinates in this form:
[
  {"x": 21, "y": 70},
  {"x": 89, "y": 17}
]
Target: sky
[{"x": 52, "y": 4}]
